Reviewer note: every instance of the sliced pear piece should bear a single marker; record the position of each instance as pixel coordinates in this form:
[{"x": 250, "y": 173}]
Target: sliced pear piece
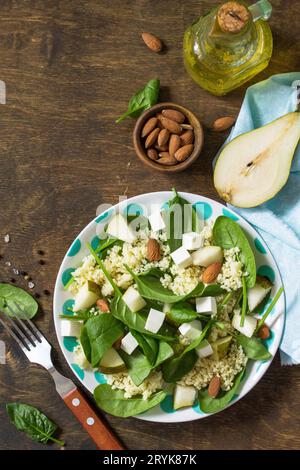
[
  {"x": 184, "y": 396},
  {"x": 111, "y": 362},
  {"x": 259, "y": 292},
  {"x": 249, "y": 324},
  {"x": 254, "y": 166},
  {"x": 119, "y": 228},
  {"x": 220, "y": 347},
  {"x": 87, "y": 296}
]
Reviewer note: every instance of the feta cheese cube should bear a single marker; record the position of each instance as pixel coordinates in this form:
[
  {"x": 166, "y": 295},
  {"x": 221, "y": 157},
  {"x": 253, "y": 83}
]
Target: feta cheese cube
[
  {"x": 249, "y": 324},
  {"x": 129, "y": 343},
  {"x": 206, "y": 305},
  {"x": 133, "y": 299},
  {"x": 192, "y": 241},
  {"x": 156, "y": 221},
  {"x": 204, "y": 349},
  {"x": 191, "y": 330},
  {"x": 181, "y": 257},
  {"x": 207, "y": 255},
  {"x": 70, "y": 327},
  {"x": 155, "y": 320}
]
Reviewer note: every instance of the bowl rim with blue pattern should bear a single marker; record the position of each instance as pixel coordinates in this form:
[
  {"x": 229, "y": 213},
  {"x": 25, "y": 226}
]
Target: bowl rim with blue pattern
[{"x": 266, "y": 264}]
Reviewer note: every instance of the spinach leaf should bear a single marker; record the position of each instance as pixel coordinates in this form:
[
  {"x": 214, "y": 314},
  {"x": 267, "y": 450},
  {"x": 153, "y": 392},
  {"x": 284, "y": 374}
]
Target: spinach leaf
[
  {"x": 228, "y": 234},
  {"x": 179, "y": 366},
  {"x": 105, "y": 245},
  {"x": 202, "y": 290},
  {"x": 11, "y": 295},
  {"x": 137, "y": 365},
  {"x": 33, "y": 422},
  {"x": 164, "y": 352},
  {"x": 113, "y": 401},
  {"x": 253, "y": 348},
  {"x": 269, "y": 309},
  {"x": 212, "y": 405},
  {"x": 181, "y": 312},
  {"x": 155, "y": 272},
  {"x": 98, "y": 335},
  {"x": 148, "y": 345},
  {"x": 142, "y": 100}
]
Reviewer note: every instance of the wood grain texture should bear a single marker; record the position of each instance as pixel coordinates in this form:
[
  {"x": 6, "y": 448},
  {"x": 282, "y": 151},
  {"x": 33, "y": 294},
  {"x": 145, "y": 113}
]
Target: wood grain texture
[{"x": 69, "y": 68}]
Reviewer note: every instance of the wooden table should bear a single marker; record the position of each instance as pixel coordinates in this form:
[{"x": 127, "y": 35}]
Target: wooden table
[{"x": 70, "y": 68}]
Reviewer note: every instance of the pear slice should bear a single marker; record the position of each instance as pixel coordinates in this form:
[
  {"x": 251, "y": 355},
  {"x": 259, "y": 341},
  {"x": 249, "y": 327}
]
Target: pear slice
[
  {"x": 111, "y": 362},
  {"x": 254, "y": 166},
  {"x": 259, "y": 292}
]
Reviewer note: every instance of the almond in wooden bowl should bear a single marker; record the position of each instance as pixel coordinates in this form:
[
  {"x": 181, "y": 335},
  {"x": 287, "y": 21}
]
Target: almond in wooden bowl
[{"x": 162, "y": 131}]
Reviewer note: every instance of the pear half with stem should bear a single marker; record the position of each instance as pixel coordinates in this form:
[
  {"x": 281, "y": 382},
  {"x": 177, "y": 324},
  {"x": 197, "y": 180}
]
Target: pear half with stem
[{"x": 254, "y": 166}]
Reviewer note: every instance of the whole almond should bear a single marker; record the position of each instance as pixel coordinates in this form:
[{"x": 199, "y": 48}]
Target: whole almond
[
  {"x": 151, "y": 139},
  {"x": 221, "y": 124},
  {"x": 184, "y": 152},
  {"x": 173, "y": 115},
  {"x": 211, "y": 273},
  {"x": 187, "y": 137},
  {"x": 163, "y": 137},
  {"x": 102, "y": 304},
  {"x": 167, "y": 160},
  {"x": 149, "y": 126},
  {"x": 214, "y": 386},
  {"x": 152, "y": 154},
  {"x": 153, "y": 42},
  {"x": 172, "y": 126},
  {"x": 162, "y": 148},
  {"x": 153, "y": 250},
  {"x": 264, "y": 332},
  {"x": 174, "y": 144}
]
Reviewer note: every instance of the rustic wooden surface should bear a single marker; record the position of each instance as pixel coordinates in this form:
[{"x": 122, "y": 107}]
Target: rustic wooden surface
[{"x": 69, "y": 68}]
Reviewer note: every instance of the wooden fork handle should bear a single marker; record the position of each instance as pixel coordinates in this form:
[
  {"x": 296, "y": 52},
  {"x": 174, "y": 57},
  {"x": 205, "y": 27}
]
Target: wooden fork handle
[{"x": 96, "y": 428}]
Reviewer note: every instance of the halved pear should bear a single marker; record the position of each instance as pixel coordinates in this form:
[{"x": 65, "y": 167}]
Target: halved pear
[{"x": 254, "y": 166}]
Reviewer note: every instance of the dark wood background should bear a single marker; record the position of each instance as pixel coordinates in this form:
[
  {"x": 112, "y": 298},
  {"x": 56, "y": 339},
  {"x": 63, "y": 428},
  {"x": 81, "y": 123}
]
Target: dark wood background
[{"x": 70, "y": 68}]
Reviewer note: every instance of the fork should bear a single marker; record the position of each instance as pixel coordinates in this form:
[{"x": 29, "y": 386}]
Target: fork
[{"x": 37, "y": 349}]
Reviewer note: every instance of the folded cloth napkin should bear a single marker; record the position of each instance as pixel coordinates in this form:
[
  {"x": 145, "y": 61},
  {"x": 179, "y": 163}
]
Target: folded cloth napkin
[{"x": 278, "y": 220}]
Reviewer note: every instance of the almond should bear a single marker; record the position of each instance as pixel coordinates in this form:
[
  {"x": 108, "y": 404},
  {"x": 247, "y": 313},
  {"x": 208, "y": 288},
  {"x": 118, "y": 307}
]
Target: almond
[
  {"x": 163, "y": 137},
  {"x": 264, "y": 332},
  {"x": 167, "y": 160},
  {"x": 153, "y": 42},
  {"x": 152, "y": 154},
  {"x": 174, "y": 144},
  {"x": 149, "y": 126},
  {"x": 223, "y": 123},
  {"x": 211, "y": 273},
  {"x": 187, "y": 137},
  {"x": 103, "y": 305},
  {"x": 151, "y": 139},
  {"x": 187, "y": 126},
  {"x": 173, "y": 115},
  {"x": 162, "y": 148},
  {"x": 214, "y": 386},
  {"x": 184, "y": 152},
  {"x": 172, "y": 126},
  {"x": 153, "y": 250}
]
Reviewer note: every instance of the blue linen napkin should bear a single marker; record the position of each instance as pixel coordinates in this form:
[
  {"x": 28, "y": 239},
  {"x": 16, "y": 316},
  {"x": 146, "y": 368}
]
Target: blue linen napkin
[{"x": 278, "y": 220}]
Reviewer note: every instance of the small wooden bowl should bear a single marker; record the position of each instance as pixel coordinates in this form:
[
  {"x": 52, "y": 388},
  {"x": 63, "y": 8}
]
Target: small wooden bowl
[{"x": 139, "y": 144}]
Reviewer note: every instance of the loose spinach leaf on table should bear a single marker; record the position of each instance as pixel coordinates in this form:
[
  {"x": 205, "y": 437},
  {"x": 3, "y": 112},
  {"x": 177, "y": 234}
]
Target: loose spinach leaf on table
[
  {"x": 142, "y": 100},
  {"x": 12, "y": 295},
  {"x": 228, "y": 234},
  {"x": 113, "y": 401},
  {"x": 253, "y": 347},
  {"x": 98, "y": 335},
  {"x": 33, "y": 422},
  {"x": 212, "y": 405}
]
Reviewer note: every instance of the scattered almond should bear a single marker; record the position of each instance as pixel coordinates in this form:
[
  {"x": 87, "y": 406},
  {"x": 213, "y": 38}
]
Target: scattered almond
[
  {"x": 149, "y": 126},
  {"x": 153, "y": 250},
  {"x": 172, "y": 126},
  {"x": 174, "y": 115},
  {"x": 264, "y": 332},
  {"x": 153, "y": 42},
  {"x": 152, "y": 154},
  {"x": 211, "y": 273},
  {"x": 214, "y": 386},
  {"x": 174, "y": 144},
  {"x": 184, "y": 152},
  {"x": 167, "y": 161},
  {"x": 187, "y": 137},
  {"x": 102, "y": 304},
  {"x": 151, "y": 139},
  {"x": 223, "y": 123},
  {"x": 163, "y": 137}
]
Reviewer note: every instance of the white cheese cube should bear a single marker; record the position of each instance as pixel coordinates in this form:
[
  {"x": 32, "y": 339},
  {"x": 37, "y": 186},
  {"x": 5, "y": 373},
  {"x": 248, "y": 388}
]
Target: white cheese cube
[
  {"x": 192, "y": 330},
  {"x": 70, "y": 327},
  {"x": 206, "y": 305},
  {"x": 155, "y": 320},
  {"x": 204, "y": 349},
  {"x": 181, "y": 257},
  {"x": 156, "y": 221},
  {"x": 133, "y": 299},
  {"x": 184, "y": 395},
  {"x": 192, "y": 241},
  {"x": 119, "y": 228},
  {"x": 207, "y": 255},
  {"x": 249, "y": 324},
  {"x": 129, "y": 343}
]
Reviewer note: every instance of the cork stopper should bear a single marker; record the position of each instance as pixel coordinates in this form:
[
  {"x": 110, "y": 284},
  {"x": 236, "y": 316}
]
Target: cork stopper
[{"x": 232, "y": 17}]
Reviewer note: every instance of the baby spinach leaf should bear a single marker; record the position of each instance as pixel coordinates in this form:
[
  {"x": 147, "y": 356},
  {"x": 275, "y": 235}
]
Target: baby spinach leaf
[
  {"x": 253, "y": 348},
  {"x": 10, "y": 295},
  {"x": 98, "y": 335},
  {"x": 33, "y": 422},
  {"x": 181, "y": 312},
  {"x": 105, "y": 245},
  {"x": 269, "y": 309},
  {"x": 155, "y": 272},
  {"x": 148, "y": 345},
  {"x": 113, "y": 401},
  {"x": 228, "y": 234},
  {"x": 202, "y": 290},
  {"x": 212, "y": 405},
  {"x": 164, "y": 352},
  {"x": 142, "y": 100},
  {"x": 174, "y": 369},
  {"x": 151, "y": 288},
  {"x": 137, "y": 365}
]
